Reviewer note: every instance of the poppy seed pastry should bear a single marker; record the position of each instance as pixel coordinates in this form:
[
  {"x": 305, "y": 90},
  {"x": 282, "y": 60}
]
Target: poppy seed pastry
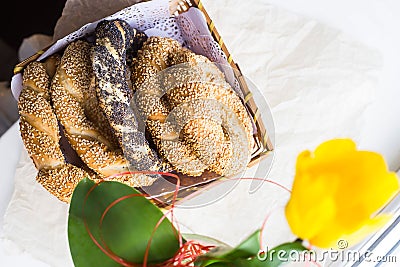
[
  {"x": 113, "y": 38},
  {"x": 85, "y": 126},
  {"x": 96, "y": 115},
  {"x": 72, "y": 79}
]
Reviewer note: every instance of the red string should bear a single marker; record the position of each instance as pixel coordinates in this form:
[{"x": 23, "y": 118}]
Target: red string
[
  {"x": 188, "y": 252},
  {"x": 270, "y": 213},
  {"x": 263, "y": 227},
  {"x": 105, "y": 248},
  {"x": 102, "y": 219}
]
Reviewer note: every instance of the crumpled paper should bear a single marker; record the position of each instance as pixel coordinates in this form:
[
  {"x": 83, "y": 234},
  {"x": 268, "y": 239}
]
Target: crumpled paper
[
  {"x": 77, "y": 13},
  {"x": 36, "y": 221},
  {"x": 317, "y": 80}
]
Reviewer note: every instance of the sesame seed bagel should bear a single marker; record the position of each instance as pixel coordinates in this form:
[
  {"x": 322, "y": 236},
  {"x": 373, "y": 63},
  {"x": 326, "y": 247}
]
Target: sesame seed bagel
[
  {"x": 85, "y": 125},
  {"x": 222, "y": 93},
  {"x": 173, "y": 149},
  {"x": 61, "y": 181},
  {"x": 204, "y": 137},
  {"x": 69, "y": 92},
  {"x": 214, "y": 133},
  {"x": 38, "y": 124},
  {"x": 193, "y": 138},
  {"x": 95, "y": 114},
  {"x": 40, "y": 134}
]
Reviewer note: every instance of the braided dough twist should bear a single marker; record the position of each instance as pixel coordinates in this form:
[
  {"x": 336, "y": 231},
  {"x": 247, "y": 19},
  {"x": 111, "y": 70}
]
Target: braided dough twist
[
  {"x": 109, "y": 64},
  {"x": 85, "y": 125},
  {"x": 40, "y": 134}
]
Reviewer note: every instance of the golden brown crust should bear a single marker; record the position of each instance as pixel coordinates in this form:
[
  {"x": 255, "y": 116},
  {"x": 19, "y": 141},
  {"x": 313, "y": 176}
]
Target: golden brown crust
[
  {"x": 42, "y": 148},
  {"x": 36, "y": 78},
  {"x": 61, "y": 181},
  {"x": 221, "y": 93},
  {"x": 38, "y": 124},
  {"x": 208, "y": 141},
  {"x": 95, "y": 114},
  {"x": 173, "y": 149},
  {"x": 40, "y": 134},
  {"x": 69, "y": 91},
  {"x": 153, "y": 57},
  {"x": 194, "y": 137}
]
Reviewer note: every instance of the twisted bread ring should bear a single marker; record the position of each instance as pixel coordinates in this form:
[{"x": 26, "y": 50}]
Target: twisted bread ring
[
  {"x": 222, "y": 93},
  {"x": 74, "y": 102},
  {"x": 203, "y": 142},
  {"x": 40, "y": 133}
]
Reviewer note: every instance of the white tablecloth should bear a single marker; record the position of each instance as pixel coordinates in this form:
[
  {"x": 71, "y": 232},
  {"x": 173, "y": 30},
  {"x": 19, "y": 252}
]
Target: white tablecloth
[{"x": 372, "y": 23}]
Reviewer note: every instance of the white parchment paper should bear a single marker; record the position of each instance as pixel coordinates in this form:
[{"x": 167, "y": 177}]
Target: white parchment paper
[{"x": 318, "y": 82}]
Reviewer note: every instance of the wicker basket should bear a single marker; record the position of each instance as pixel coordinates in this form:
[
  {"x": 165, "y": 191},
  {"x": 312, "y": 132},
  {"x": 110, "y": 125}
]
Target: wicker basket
[{"x": 262, "y": 138}]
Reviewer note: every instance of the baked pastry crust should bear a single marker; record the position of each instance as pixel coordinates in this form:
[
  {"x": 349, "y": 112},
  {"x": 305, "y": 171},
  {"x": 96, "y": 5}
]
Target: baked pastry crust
[
  {"x": 113, "y": 38},
  {"x": 195, "y": 119},
  {"x": 40, "y": 133},
  {"x": 85, "y": 125},
  {"x": 173, "y": 87}
]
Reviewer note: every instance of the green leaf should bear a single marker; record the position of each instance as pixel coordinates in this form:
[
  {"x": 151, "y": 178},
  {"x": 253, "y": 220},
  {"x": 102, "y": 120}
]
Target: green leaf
[
  {"x": 246, "y": 254},
  {"x": 126, "y": 228},
  {"x": 224, "y": 255},
  {"x": 248, "y": 248}
]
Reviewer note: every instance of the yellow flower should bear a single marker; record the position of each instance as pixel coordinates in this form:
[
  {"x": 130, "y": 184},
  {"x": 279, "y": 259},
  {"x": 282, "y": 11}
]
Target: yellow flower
[{"x": 336, "y": 192}]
